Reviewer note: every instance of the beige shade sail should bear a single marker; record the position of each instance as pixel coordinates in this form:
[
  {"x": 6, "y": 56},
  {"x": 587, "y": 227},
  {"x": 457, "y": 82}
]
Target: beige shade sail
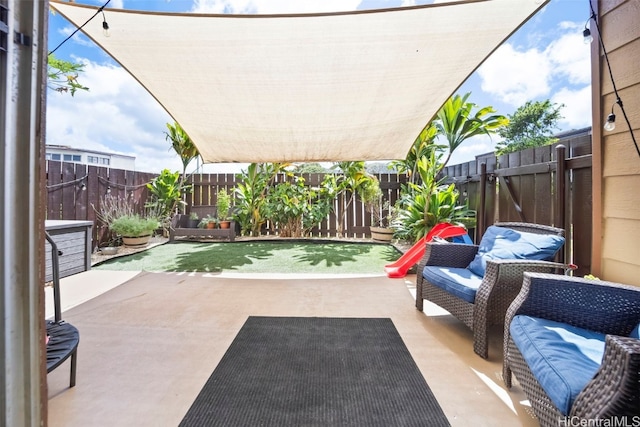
[{"x": 312, "y": 87}]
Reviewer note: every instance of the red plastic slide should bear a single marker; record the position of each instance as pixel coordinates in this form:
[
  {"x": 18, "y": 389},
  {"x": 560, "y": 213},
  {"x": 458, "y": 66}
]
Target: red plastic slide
[{"x": 412, "y": 256}]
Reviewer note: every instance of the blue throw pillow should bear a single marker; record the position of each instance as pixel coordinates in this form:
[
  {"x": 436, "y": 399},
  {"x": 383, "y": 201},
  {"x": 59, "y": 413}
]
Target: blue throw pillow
[
  {"x": 505, "y": 243},
  {"x": 636, "y": 332}
]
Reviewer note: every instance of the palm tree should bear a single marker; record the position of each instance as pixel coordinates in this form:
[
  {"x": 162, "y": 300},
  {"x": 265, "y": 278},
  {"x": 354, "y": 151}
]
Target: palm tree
[
  {"x": 456, "y": 123},
  {"x": 183, "y": 146}
]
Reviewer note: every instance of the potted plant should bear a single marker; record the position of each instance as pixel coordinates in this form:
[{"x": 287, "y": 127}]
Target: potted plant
[
  {"x": 208, "y": 222},
  {"x": 223, "y": 205},
  {"x": 194, "y": 220},
  {"x": 134, "y": 229},
  {"x": 372, "y": 198}
]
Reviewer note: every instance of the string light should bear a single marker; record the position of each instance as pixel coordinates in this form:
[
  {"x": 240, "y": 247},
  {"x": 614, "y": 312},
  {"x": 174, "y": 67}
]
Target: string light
[
  {"x": 611, "y": 118},
  {"x": 105, "y": 27},
  {"x": 588, "y": 38},
  {"x": 611, "y": 122}
]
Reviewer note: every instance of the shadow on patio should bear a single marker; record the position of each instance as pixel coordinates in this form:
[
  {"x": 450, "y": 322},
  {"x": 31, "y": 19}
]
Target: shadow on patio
[{"x": 148, "y": 346}]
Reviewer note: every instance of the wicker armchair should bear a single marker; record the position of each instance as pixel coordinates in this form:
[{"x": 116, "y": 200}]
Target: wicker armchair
[
  {"x": 602, "y": 307},
  {"x": 500, "y": 284}
]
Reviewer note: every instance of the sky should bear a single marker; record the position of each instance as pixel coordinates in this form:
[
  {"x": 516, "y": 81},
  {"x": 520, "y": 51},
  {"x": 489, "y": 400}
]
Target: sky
[{"x": 545, "y": 59}]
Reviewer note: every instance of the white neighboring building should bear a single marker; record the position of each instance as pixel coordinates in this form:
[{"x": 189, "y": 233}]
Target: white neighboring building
[{"x": 90, "y": 157}]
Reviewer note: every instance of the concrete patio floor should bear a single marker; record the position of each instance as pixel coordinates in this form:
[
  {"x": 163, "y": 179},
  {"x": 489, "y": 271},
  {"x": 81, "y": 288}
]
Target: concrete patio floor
[{"x": 149, "y": 341}]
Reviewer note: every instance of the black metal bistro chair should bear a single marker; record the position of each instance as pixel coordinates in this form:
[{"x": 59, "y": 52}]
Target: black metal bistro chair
[{"x": 63, "y": 336}]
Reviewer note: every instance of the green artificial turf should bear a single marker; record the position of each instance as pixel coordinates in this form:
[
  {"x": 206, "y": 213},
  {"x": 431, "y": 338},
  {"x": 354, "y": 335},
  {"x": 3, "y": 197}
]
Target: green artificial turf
[{"x": 260, "y": 257}]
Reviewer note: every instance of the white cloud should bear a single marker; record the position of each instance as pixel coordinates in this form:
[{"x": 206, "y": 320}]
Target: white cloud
[
  {"x": 473, "y": 147},
  {"x": 516, "y": 77},
  {"x": 116, "y": 115},
  {"x": 569, "y": 57},
  {"x": 577, "y": 110},
  {"x": 272, "y": 6}
]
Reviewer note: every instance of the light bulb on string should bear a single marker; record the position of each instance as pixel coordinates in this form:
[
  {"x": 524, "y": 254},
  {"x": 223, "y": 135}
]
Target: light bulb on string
[
  {"x": 611, "y": 122},
  {"x": 587, "y": 37},
  {"x": 105, "y": 26}
]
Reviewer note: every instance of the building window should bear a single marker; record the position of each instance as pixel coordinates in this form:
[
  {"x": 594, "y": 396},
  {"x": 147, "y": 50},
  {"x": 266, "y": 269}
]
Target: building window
[
  {"x": 72, "y": 158},
  {"x": 104, "y": 160},
  {"x": 93, "y": 159},
  {"x": 55, "y": 157}
]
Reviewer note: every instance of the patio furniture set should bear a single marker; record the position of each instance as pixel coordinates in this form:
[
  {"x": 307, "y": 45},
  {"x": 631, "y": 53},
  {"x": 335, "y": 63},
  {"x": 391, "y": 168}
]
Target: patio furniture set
[{"x": 572, "y": 343}]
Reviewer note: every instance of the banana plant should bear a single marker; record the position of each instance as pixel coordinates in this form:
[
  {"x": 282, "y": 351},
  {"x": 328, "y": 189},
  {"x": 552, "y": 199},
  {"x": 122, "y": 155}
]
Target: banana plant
[
  {"x": 183, "y": 146},
  {"x": 251, "y": 192}
]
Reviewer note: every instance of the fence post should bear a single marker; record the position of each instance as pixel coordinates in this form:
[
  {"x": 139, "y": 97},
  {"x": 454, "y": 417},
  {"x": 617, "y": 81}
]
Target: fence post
[
  {"x": 560, "y": 192},
  {"x": 483, "y": 201}
]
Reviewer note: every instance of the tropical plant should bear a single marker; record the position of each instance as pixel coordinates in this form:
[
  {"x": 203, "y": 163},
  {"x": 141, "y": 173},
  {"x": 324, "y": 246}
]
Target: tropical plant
[
  {"x": 166, "y": 194},
  {"x": 223, "y": 204},
  {"x": 531, "y": 125},
  {"x": 421, "y": 147},
  {"x": 424, "y": 201},
  {"x": 457, "y": 122},
  {"x": 354, "y": 177},
  {"x": 62, "y": 76},
  {"x": 295, "y": 208},
  {"x": 421, "y": 206},
  {"x": 134, "y": 226},
  {"x": 421, "y": 210},
  {"x": 251, "y": 193},
  {"x": 372, "y": 198},
  {"x": 183, "y": 146}
]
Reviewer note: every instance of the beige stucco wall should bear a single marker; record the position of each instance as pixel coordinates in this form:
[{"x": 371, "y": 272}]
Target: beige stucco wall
[{"x": 618, "y": 162}]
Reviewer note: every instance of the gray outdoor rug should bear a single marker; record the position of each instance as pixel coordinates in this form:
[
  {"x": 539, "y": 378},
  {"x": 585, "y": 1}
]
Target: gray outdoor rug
[{"x": 301, "y": 371}]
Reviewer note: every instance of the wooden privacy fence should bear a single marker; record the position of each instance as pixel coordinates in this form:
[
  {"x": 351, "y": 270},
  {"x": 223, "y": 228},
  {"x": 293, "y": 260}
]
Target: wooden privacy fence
[
  {"x": 548, "y": 185},
  {"x": 75, "y": 191},
  {"x": 206, "y": 186}
]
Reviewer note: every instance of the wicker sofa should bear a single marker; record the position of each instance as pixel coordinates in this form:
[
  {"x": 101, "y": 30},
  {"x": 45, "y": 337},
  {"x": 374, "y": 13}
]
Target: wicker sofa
[
  {"x": 481, "y": 300},
  {"x": 573, "y": 346}
]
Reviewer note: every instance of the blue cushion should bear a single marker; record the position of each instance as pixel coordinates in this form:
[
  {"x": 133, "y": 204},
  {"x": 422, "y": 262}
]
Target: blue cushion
[
  {"x": 563, "y": 358},
  {"x": 457, "y": 281},
  {"x": 505, "y": 243},
  {"x": 636, "y": 332}
]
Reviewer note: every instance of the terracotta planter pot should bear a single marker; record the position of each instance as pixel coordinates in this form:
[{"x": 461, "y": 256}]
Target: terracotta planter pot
[
  {"x": 225, "y": 224},
  {"x": 136, "y": 242},
  {"x": 381, "y": 234},
  {"x": 211, "y": 225}
]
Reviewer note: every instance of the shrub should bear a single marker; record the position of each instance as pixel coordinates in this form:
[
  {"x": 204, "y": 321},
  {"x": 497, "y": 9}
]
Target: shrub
[
  {"x": 134, "y": 226},
  {"x": 223, "y": 204}
]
